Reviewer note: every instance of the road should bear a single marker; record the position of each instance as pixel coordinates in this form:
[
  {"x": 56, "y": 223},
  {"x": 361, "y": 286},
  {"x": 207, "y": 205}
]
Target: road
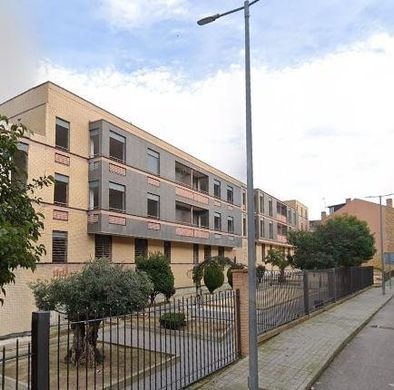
[{"x": 367, "y": 362}]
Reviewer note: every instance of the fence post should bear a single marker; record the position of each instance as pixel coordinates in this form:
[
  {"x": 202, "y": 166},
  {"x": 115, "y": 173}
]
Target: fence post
[
  {"x": 351, "y": 280},
  {"x": 335, "y": 283},
  {"x": 40, "y": 350},
  {"x": 306, "y": 292},
  {"x": 240, "y": 283}
]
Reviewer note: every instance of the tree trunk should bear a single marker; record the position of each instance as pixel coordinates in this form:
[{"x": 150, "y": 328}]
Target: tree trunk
[{"x": 84, "y": 345}]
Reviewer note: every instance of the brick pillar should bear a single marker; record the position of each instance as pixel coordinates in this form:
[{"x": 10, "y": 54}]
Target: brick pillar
[{"x": 240, "y": 283}]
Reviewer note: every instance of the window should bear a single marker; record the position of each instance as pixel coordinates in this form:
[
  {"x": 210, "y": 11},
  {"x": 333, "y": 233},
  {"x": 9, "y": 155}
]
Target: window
[
  {"x": 93, "y": 195},
  {"x": 61, "y": 190},
  {"x": 183, "y": 174},
  {"x": 271, "y": 231},
  {"x": 167, "y": 250},
  {"x": 270, "y": 212},
  {"x": 262, "y": 228},
  {"x": 62, "y": 134},
  {"x": 116, "y": 197},
  {"x": 196, "y": 250},
  {"x": 230, "y": 194},
  {"x": 200, "y": 181},
  {"x": 117, "y": 147},
  {"x": 244, "y": 226},
  {"x": 261, "y": 204},
  {"x": 94, "y": 142},
  {"x": 20, "y": 160},
  {"x": 153, "y": 162},
  {"x": 243, "y": 198},
  {"x": 140, "y": 248},
  {"x": 217, "y": 188},
  {"x": 153, "y": 206},
  {"x": 59, "y": 246},
  {"x": 217, "y": 218},
  {"x": 230, "y": 224},
  {"x": 221, "y": 251},
  {"x": 102, "y": 246},
  {"x": 183, "y": 212},
  {"x": 207, "y": 252}
]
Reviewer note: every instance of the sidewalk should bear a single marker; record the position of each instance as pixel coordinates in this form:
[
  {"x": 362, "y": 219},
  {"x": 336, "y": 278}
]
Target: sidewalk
[{"x": 295, "y": 358}]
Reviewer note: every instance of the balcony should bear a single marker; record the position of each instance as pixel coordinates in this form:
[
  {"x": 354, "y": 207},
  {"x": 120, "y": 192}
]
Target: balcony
[{"x": 191, "y": 178}]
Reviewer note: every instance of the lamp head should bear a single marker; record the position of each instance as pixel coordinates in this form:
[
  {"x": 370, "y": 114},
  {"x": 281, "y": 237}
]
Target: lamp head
[{"x": 208, "y": 19}]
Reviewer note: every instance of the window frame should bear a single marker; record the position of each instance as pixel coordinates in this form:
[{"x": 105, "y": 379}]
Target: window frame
[
  {"x": 230, "y": 189},
  {"x": 153, "y": 197},
  {"x": 217, "y": 184},
  {"x": 109, "y": 241},
  {"x": 230, "y": 219},
  {"x": 65, "y": 237},
  {"x": 124, "y": 196},
  {"x": 58, "y": 119},
  {"x": 219, "y": 216},
  {"x": 151, "y": 153},
  {"x": 120, "y": 138},
  {"x": 67, "y": 182},
  {"x": 96, "y": 185}
]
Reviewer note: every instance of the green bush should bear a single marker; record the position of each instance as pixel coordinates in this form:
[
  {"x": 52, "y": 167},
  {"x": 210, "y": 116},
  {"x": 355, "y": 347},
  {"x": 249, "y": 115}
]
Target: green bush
[
  {"x": 213, "y": 276},
  {"x": 172, "y": 320},
  {"x": 260, "y": 271}
]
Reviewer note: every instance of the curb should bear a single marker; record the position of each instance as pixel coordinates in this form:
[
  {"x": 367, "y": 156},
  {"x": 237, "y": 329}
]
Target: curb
[{"x": 343, "y": 345}]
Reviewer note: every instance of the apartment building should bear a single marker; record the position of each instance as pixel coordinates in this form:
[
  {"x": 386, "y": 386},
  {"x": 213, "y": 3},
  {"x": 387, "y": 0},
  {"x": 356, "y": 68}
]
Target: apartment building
[
  {"x": 369, "y": 212},
  {"x": 302, "y": 213},
  {"x": 119, "y": 192}
]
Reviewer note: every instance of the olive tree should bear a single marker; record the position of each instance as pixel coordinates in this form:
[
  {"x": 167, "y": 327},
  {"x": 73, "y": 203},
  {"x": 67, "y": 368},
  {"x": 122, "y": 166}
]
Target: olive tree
[{"x": 101, "y": 289}]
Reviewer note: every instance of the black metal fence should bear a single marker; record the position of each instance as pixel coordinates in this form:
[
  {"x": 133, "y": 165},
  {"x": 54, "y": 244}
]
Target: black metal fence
[
  {"x": 284, "y": 297},
  {"x": 129, "y": 351}
]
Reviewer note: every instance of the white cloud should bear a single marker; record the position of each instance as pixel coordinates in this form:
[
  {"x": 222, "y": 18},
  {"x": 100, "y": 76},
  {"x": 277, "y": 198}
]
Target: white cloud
[
  {"x": 135, "y": 13},
  {"x": 323, "y": 129}
]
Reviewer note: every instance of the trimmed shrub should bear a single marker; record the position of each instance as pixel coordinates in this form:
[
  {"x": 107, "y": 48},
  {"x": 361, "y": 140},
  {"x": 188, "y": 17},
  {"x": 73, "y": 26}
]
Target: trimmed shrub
[
  {"x": 213, "y": 276},
  {"x": 172, "y": 320},
  {"x": 230, "y": 274}
]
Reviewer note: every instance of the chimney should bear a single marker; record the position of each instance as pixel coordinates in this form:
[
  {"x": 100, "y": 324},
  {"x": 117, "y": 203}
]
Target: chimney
[
  {"x": 389, "y": 202},
  {"x": 348, "y": 200},
  {"x": 323, "y": 215}
]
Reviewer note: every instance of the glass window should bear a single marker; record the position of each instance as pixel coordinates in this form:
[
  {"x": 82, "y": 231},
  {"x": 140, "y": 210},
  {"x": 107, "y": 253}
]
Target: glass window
[
  {"x": 62, "y": 134},
  {"x": 167, "y": 250},
  {"x": 271, "y": 230},
  {"x": 117, "y": 147},
  {"x": 261, "y": 204},
  {"x": 93, "y": 195},
  {"x": 140, "y": 248},
  {"x": 153, "y": 162},
  {"x": 217, "y": 221},
  {"x": 230, "y": 224},
  {"x": 243, "y": 198},
  {"x": 270, "y": 212},
  {"x": 94, "y": 142},
  {"x": 217, "y": 188},
  {"x": 230, "y": 194},
  {"x": 196, "y": 250},
  {"x": 116, "y": 197},
  {"x": 207, "y": 252},
  {"x": 59, "y": 246},
  {"x": 153, "y": 206},
  {"x": 221, "y": 251},
  {"x": 61, "y": 190},
  {"x": 102, "y": 246},
  {"x": 20, "y": 160},
  {"x": 244, "y": 226},
  {"x": 262, "y": 228},
  {"x": 183, "y": 174}
]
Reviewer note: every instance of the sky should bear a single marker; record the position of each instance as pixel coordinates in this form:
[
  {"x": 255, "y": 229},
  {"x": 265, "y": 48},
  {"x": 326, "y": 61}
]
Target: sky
[{"x": 322, "y": 82}]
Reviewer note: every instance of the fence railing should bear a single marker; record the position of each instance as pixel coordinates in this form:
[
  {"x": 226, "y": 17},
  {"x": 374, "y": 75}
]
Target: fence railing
[
  {"x": 284, "y": 297},
  {"x": 133, "y": 351}
]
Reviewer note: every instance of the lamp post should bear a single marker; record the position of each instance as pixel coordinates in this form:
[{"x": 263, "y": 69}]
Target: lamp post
[
  {"x": 381, "y": 237},
  {"x": 253, "y": 373}
]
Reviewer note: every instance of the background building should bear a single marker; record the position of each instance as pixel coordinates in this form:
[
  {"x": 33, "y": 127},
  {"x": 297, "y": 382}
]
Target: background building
[{"x": 302, "y": 214}]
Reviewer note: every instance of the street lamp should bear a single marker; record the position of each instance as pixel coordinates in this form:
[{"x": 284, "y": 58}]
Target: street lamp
[
  {"x": 253, "y": 373},
  {"x": 381, "y": 237}
]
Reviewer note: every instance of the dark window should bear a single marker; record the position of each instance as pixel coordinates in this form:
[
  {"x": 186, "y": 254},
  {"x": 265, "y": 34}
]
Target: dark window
[
  {"x": 230, "y": 224},
  {"x": 207, "y": 252},
  {"x": 93, "y": 194},
  {"x": 167, "y": 250},
  {"x": 183, "y": 174},
  {"x": 102, "y": 246},
  {"x": 61, "y": 190},
  {"x": 140, "y": 248},
  {"x": 59, "y": 247},
  {"x": 183, "y": 212},
  {"x": 153, "y": 162},
  {"x": 116, "y": 197},
  {"x": 200, "y": 217},
  {"x": 271, "y": 230},
  {"x": 217, "y": 219},
  {"x": 20, "y": 160},
  {"x": 243, "y": 198},
  {"x": 200, "y": 181},
  {"x": 62, "y": 134},
  {"x": 217, "y": 192},
  {"x": 153, "y": 205},
  {"x": 261, "y": 204},
  {"x": 244, "y": 226},
  {"x": 262, "y": 229},
  {"x": 94, "y": 142},
  {"x": 196, "y": 250},
  {"x": 221, "y": 251},
  {"x": 117, "y": 147},
  {"x": 230, "y": 194},
  {"x": 270, "y": 212}
]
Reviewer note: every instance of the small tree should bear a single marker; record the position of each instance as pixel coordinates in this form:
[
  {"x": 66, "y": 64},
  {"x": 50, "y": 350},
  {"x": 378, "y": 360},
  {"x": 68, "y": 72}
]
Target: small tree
[
  {"x": 100, "y": 290},
  {"x": 260, "y": 271},
  {"x": 158, "y": 268},
  {"x": 213, "y": 276},
  {"x": 277, "y": 258},
  {"x": 20, "y": 223}
]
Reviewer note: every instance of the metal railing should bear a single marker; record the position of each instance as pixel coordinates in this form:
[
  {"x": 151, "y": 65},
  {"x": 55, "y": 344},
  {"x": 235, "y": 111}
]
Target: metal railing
[
  {"x": 284, "y": 297},
  {"x": 131, "y": 351}
]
